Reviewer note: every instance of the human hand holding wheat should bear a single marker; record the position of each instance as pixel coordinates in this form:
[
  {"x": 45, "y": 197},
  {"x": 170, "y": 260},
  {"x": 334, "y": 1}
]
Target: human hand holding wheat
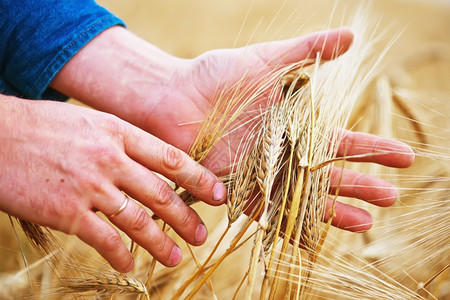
[
  {"x": 170, "y": 98},
  {"x": 220, "y": 69},
  {"x": 64, "y": 163}
]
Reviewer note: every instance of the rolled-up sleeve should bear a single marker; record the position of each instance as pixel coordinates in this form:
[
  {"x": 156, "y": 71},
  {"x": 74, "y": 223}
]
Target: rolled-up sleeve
[{"x": 37, "y": 38}]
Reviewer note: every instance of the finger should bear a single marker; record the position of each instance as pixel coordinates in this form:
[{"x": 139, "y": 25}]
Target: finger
[
  {"x": 174, "y": 164},
  {"x": 106, "y": 240},
  {"x": 365, "y": 187},
  {"x": 139, "y": 226},
  {"x": 330, "y": 44},
  {"x": 398, "y": 154},
  {"x": 156, "y": 194},
  {"x": 348, "y": 217}
]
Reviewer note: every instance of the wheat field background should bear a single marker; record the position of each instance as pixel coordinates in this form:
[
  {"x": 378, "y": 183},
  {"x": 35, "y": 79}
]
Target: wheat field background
[{"x": 417, "y": 68}]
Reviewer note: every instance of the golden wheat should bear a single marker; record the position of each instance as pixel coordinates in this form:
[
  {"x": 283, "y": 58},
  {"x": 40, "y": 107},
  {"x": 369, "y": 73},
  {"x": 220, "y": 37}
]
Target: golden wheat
[{"x": 405, "y": 257}]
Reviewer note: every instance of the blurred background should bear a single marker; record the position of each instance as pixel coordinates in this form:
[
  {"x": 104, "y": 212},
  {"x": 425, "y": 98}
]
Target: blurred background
[
  {"x": 418, "y": 61},
  {"x": 188, "y": 28}
]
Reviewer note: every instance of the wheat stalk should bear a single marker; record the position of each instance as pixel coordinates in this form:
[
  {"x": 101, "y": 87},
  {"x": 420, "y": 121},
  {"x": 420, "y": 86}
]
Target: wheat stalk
[
  {"x": 95, "y": 281},
  {"x": 331, "y": 264}
]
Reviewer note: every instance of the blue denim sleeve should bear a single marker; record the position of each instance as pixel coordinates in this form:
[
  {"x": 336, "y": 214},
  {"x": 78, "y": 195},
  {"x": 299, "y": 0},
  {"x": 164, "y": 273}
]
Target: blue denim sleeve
[{"x": 38, "y": 37}]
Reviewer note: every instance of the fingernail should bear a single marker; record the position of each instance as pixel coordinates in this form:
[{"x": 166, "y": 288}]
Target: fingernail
[
  {"x": 369, "y": 222},
  {"x": 200, "y": 234},
  {"x": 130, "y": 266},
  {"x": 219, "y": 192},
  {"x": 175, "y": 256}
]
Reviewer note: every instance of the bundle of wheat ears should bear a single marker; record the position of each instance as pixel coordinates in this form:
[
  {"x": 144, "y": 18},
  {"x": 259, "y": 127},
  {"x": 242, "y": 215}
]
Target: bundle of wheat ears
[{"x": 270, "y": 241}]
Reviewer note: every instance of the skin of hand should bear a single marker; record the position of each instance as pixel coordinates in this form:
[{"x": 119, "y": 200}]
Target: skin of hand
[
  {"x": 169, "y": 97},
  {"x": 89, "y": 157},
  {"x": 62, "y": 163}
]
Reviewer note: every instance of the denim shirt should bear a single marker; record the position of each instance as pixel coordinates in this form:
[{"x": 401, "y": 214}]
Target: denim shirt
[{"x": 38, "y": 37}]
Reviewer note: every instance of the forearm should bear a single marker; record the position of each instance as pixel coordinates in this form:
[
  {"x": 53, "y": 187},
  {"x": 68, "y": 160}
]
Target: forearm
[{"x": 119, "y": 73}]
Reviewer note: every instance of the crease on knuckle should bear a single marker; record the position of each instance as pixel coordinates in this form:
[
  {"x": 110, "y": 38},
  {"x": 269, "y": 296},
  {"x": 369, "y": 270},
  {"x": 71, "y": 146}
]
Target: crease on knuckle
[
  {"x": 187, "y": 218},
  {"x": 347, "y": 144},
  {"x": 111, "y": 242},
  {"x": 68, "y": 210},
  {"x": 164, "y": 195},
  {"x": 161, "y": 245},
  {"x": 140, "y": 220},
  {"x": 357, "y": 185},
  {"x": 202, "y": 182},
  {"x": 378, "y": 147},
  {"x": 110, "y": 156},
  {"x": 334, "y": 177},
  {"x": 173, "y": 159},
  {"x": 112, "y": 124},
  {"x": 74, "y": 222},
  {"x": 110, "y": 148}
]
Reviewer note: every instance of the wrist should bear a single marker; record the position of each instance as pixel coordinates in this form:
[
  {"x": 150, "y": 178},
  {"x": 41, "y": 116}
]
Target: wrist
[
  {"x": 119, "y": 73},
  {"x": 12, "y": 109}
]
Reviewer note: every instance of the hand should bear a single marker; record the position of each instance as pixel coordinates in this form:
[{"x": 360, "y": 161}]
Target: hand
[
  {"x": 365, "y": 187},
  {"x": 199, "y": 82},
  {"x": 169, "y": 97},
  {"x": 61, "y": 163}
]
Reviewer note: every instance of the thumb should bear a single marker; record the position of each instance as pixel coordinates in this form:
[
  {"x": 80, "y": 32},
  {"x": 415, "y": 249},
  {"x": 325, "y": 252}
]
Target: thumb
[{"x": 330, "y": 44}]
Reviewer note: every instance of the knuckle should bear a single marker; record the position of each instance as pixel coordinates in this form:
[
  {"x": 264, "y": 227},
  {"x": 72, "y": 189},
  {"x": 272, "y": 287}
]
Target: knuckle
[
  {"x": 163, "y": 194},
  {"x": 101, "y": 156},
  {"x": 110, "y": 155},
  {"x": 112, "y": 124},
  {"x": 203, "y": 182},
  {"x": 347, "y": 144},
  {"x": 200, "y": 178},
  {"x": 206, "y": 63},
  {"x": 95, "y": 186},
  {"x": 69, "y": 210},
  {"x": 112, "y": 242},
  {"x": 172, "y": 158},
  {"x": 162, "y": 245},
  {"x": 110, "y": 148},
  {"x": 140, "y": 220},
  {"x": 187, "y": 219}
]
